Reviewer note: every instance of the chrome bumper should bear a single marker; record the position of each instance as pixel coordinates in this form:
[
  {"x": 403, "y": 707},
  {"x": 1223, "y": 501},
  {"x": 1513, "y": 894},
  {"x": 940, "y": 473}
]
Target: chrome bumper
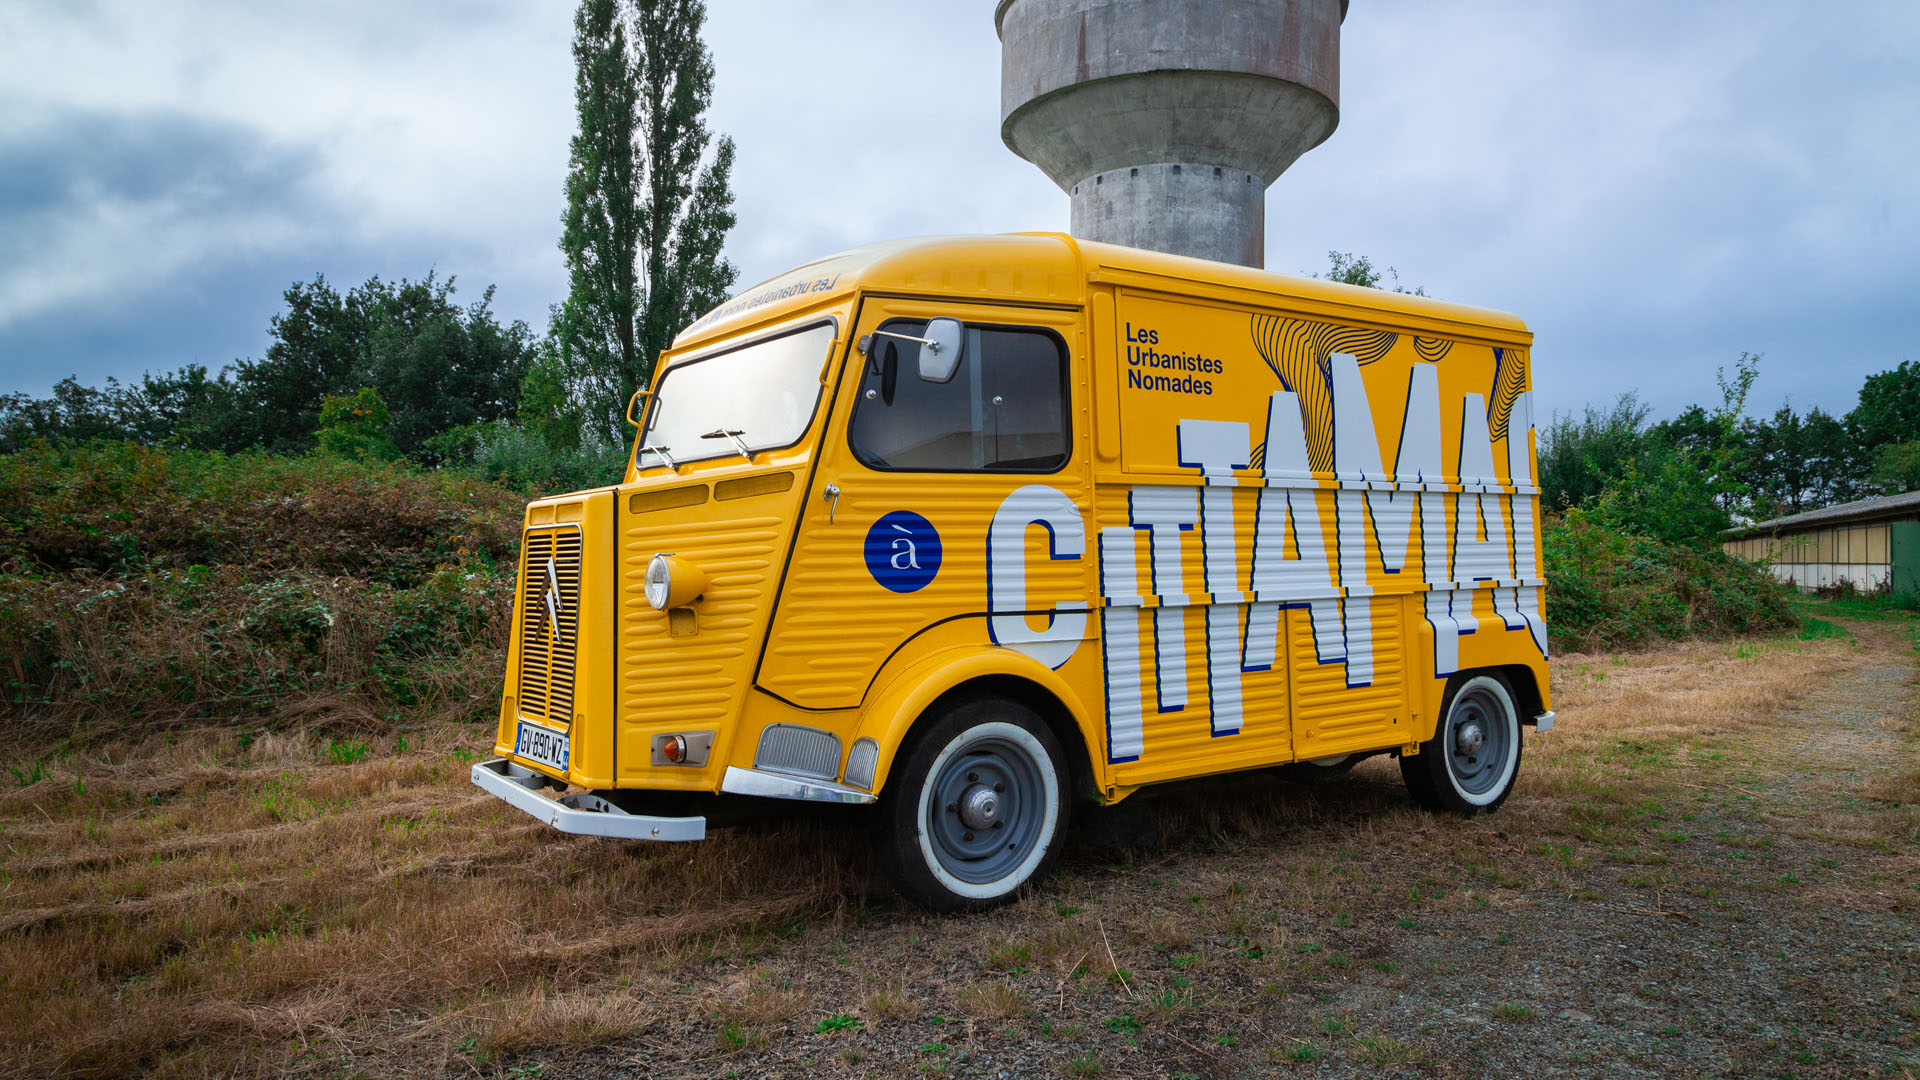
[
  {"x": 586, "y": 813},
  {"x": 739, "y": 781},
  {"x": 1543, "y": 722}
]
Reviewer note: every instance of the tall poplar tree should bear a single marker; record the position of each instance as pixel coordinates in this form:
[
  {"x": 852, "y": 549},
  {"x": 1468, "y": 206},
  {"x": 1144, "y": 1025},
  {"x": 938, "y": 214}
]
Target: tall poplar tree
[{"x": 645, "y": 219}]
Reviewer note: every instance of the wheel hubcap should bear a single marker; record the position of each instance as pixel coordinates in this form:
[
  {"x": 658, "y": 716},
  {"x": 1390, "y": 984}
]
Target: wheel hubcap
[
  {"x": 979, "y": 808},
  {"x": 1468, "y": 738},
  {"x": 986, "y": 809},
  {"x": 1480, "y": 741}
]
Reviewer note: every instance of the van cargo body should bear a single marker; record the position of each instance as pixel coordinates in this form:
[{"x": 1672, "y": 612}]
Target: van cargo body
[{"x": 976, "y": 529}]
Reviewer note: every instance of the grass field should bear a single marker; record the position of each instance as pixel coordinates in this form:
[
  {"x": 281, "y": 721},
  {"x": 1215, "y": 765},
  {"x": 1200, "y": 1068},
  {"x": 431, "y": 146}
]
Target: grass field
[{"x": 205, "y": 903}]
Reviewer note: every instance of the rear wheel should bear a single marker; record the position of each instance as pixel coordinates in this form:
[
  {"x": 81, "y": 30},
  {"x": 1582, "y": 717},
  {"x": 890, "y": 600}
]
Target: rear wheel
[
  {"x": 976, "y": 810},
  {"x": 1473, "y": 759}
]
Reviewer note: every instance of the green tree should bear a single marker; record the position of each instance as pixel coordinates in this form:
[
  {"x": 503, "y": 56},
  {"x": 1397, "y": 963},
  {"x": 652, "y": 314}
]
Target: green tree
[
  {"x": 1350, "y": 269},
  {"x": 1889, "y": 408},
  {"x": 1579, "y": 457},
  {"x": 435, "y": 364},
  {"x": 355, "y": 425},
  {"x": 645, "y": 221},
  {"x": 1896, "y": 468}
]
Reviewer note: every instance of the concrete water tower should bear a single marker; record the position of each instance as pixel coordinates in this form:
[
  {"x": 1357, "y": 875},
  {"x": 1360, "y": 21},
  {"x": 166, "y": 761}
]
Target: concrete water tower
[{"x": 1165, "y": 120}]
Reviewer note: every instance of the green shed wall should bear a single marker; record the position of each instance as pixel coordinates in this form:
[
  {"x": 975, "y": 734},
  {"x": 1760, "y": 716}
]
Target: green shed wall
[{"x": 1906, "y": 555}]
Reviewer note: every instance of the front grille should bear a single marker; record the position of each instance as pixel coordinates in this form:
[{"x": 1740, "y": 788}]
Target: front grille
[
  {"x": 790, "y": 748},
  {"x": 549, "y": 623}
]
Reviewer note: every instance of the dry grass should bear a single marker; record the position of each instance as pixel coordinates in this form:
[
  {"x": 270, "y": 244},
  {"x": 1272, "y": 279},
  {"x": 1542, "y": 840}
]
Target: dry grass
[
  {"x": 190, "y": 905},
  {"x": 992, "y": 1001}
]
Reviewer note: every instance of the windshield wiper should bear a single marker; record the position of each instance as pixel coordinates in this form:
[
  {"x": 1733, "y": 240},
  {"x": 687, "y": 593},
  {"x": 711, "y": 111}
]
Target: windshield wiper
[
  {"x": 734, "y": 434},
  {"x": 662, "y": 451}
]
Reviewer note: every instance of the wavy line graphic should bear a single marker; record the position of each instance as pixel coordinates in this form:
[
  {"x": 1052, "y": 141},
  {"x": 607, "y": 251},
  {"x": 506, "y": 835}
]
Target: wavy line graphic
[
  {"x": 1300, "y": 353},
  {"x": 1509, "y": 378},
  {"x": 1432, "y": 350}
]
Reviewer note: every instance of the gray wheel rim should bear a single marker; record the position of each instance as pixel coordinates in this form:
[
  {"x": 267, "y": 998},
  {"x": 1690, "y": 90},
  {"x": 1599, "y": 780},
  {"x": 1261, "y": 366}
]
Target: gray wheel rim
[
  {"x": 1479, "y": 740},
  {"x": 989, "y": 802}
]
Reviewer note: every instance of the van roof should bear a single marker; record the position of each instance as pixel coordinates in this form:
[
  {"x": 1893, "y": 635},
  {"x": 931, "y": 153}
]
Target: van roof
[{"x": 1052, "y": 268}]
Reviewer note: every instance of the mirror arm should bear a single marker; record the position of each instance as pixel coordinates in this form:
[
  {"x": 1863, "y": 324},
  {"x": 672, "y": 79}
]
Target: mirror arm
[{"x": 865, "y": 342}]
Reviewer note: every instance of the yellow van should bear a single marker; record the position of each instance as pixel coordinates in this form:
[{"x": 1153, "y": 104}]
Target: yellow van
[{"x": 977, "y": 529}]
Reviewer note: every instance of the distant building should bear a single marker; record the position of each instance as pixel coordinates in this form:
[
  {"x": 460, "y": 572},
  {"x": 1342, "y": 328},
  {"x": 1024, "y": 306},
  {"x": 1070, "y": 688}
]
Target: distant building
[{"x": 1874, "y": 543}]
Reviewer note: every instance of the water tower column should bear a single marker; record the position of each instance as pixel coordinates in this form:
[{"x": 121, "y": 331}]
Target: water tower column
[{"x": 1165, "y": 120}]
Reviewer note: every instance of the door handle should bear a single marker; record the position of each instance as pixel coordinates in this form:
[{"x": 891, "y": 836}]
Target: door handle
[{"x": 832, "y": 493}]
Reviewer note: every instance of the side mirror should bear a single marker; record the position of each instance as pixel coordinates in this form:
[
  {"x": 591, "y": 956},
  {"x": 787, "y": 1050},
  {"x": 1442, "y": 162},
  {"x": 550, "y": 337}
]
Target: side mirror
[{"x": 940, "y": 356}]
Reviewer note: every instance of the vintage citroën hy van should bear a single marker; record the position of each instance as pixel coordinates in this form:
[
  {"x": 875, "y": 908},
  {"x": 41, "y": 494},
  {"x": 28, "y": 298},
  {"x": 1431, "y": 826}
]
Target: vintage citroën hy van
[{"x": 978, "y": 529}]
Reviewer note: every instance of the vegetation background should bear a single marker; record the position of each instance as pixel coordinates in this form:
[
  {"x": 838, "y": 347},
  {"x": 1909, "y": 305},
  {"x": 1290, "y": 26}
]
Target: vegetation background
[{"x": 329, "y": 532}]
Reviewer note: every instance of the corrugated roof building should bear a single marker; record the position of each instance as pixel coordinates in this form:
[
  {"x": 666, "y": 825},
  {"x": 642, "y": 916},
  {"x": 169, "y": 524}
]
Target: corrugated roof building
[{"x": 1873, "y": 543}]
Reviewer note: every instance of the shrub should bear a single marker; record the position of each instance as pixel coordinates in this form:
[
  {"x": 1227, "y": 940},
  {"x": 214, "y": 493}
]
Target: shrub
[
  {"x": 521, "y": 459},
  {"x": 1607, "y": 588},
  {"x": 148, "y": 588}
]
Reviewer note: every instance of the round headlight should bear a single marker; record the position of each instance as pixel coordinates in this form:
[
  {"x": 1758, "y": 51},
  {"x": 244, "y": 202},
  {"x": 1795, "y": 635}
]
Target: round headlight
[{"x": 659, "y": 580}]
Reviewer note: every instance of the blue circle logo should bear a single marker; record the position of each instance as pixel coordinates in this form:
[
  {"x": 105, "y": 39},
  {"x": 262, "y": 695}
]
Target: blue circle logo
[{"x": 903, "y": 551}]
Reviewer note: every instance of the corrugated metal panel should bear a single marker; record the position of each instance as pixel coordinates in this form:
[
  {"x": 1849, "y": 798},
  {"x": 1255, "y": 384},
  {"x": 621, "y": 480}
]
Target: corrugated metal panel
[
  {"x": 836, "y": 625},
  {"x": 1330, "y": 717},
  {"x": 693, "y": 680}
]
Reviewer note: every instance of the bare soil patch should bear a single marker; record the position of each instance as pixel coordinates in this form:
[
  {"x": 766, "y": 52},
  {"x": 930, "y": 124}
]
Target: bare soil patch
[{"x": 1711, "y": 868}]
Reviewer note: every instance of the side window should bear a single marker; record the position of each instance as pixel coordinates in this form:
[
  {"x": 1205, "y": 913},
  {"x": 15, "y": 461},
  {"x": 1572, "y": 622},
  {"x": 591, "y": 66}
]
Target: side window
[{"x": 1005, "y": 409}]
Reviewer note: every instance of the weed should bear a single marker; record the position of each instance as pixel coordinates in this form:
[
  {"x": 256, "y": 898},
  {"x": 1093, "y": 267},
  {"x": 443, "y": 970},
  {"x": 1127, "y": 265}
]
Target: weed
[
  {"x": 1386, "y": 1050},
  {"x": 1084, "y": 1064},
  {"x": 835, "y": 1024},
  {"x": 345, "y": 752},
  {"x": 1513, "y": 1010},
  {"x": 1010, "y": 956},
  {"x": 888, "y": 1003},
  {"x": 1125, "y": 1023},
  {"x": 992, "y": 1001}
]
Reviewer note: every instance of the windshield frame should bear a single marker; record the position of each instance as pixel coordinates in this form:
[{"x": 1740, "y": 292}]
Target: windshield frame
[{"x": 725, "y": 448}]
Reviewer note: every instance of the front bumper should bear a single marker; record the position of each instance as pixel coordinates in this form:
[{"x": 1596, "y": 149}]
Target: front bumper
[
  {"x": 590, "y": 815},
  {"x": 586, "y": 813}
]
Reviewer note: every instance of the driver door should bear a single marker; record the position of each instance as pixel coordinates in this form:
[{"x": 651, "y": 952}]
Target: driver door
[{"x": 913, "y": 476}]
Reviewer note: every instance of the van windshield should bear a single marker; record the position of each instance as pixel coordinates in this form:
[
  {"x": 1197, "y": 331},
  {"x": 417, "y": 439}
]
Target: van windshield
[{"x": 767, "y": 392}]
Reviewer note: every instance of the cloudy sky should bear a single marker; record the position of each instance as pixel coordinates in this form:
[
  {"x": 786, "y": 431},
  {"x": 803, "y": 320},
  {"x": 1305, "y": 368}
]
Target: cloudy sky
[{"x": 1653, "y": 186}]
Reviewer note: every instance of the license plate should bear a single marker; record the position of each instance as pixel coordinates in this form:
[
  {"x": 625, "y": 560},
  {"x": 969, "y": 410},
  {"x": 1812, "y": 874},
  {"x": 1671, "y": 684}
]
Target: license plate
[{"x": 542, "y": 744}]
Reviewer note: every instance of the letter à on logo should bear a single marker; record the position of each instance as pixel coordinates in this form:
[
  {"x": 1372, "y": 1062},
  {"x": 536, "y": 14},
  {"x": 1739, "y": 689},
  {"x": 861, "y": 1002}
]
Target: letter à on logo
[{"x": 903, "y": 551}]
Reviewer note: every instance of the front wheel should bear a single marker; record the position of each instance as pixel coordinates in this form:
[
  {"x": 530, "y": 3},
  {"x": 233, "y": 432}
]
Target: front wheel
[
  {"x": 1471, "y": 762},
  {"x": 976, "y": 810}
]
